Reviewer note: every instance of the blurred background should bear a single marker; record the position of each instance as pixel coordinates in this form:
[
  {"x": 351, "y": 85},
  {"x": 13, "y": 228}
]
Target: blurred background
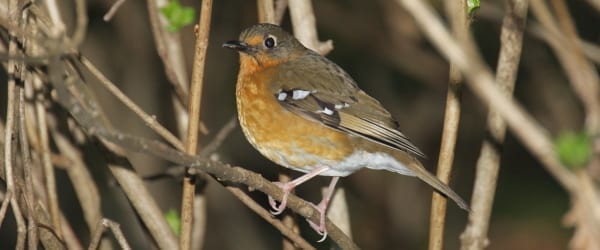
[{"x": 378, "y": 44}]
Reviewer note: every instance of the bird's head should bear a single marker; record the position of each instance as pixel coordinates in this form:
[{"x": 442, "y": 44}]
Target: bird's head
[{"x": 265, "y": 45}]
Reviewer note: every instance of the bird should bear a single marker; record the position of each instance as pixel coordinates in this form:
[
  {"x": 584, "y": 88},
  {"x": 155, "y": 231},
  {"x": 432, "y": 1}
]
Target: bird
[{"x": 304, "y": 112}]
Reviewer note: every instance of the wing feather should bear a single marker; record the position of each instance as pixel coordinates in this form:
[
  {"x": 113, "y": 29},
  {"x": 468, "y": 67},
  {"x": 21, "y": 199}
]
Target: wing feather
[{"x": 341, "y": 105}]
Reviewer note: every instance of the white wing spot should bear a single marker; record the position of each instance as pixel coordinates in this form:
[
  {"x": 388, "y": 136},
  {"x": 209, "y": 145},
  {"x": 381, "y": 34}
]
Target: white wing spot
[
  {"x": 281, "y": 96},
  {"x": 326, "y": 111},
  {"x": 299, "y": 94},
  {"x": 341, "y": 105}
]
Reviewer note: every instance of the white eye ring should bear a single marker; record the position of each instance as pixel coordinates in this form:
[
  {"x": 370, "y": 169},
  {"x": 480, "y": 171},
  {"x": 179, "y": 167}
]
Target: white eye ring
[{"x": 270, "y": 42}]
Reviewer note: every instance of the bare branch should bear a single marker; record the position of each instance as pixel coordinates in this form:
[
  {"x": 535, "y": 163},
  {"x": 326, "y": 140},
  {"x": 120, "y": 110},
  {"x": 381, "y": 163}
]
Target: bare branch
[
  {"x": 169, "y": 48},
  {"x": 457, "y": 12},
  {"x": 113, "y": 9},
  {"x": 488, "y": 164},
  {"x": 481, "y": 81},
  {"x": 148, "y": 119},
  {"x": 303, "y": 19},
  {"x": 191, "y": 142},
  {"x": 266, "y": 11},
  {"x": 114, "y": 227},
  {"x": 284, "y": 229}
]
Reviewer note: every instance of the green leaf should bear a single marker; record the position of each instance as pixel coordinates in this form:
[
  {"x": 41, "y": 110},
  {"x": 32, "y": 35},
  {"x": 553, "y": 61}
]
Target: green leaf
[
  {"x": 574, "y": 149},
  {"x": 174, "y": 220},
  {"x": 178, "y": 15},
  {"x": 472, "y": 6}
]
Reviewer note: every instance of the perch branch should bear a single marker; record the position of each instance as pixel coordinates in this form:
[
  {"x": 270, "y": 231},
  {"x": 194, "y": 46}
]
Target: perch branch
[
  {"x": 191, "y": 142},
  {"x": 456, "y": 11},
  {"x": 511, "y": 42}
]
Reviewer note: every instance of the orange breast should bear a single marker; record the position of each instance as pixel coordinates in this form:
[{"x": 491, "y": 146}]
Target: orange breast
[{"x": 280, "y": 135}]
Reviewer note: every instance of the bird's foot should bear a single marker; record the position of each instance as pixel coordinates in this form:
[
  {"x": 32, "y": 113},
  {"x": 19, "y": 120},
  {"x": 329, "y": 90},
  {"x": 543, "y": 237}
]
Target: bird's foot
[
  {"x": 320, "y": 228},
  {"x": 287, "y": 188},
  {"x": 322, "y": 208}
]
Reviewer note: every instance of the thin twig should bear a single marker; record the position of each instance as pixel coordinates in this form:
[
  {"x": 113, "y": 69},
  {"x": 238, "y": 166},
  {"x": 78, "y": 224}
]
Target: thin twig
[
  {"x": 481, "y": 81},
  {"x": 55, "y": 17},
  {"x": 93, "y": 123},
  {"x": 191, "y": 142},
  {"x": 581, "y": 73},
  {"x": 114, "y": 227},
  {"x": 305, "y": 26},
  {"x": 5, "y": 202},
  {"x": 120, "y": 168},
  {"x": 50, "y": 178},
  {"x": 80, "y": 24},
  {"x": 589, "y": 49},
  {"x": 148, "y": 119},
  {"x": 223, "y": 172},
  {"x": 142, "y": 201},
  {"x": 113, "y": 9},
  {"x": 284, "y": 229},
  {"x": 170, "y": 51},
  {"x": 219, "y": 137},
  {"x": 511, "y": 42},
  {"x": 280, "y": 7},
  {"x": 266, "y": 11},
  {"x": 456, "y": 11},
  {"x": 32, "y": 228},
  {"x": 83, "y": 183},
  {"x": 9, "y": 136}
]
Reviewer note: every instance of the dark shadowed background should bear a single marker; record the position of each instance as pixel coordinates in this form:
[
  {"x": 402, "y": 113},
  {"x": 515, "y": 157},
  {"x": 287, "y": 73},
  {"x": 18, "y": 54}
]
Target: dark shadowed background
[{"x": 379, "y": 45}]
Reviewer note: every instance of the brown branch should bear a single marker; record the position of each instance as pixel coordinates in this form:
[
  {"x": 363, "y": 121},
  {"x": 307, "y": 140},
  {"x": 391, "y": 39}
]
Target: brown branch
[
  {"x": 216, "y": 142},
  {"x": 131, "y": 184},
  {"x": 141, "y": 200},
  {"x": 284, "y": 229},
  {"x": 50, "y": 178},
  {"x": 191, "y": 143},
  {"x": 460, "y": 28},
  {"x": 114, "y": 227},
  {"x": 590, "y": 50},
  {"x": 581, "y": 73},
  {"x": 149, "y": 120},
  {"x": 113, "y": 9},
  {"x": 9, "y": 143},
  {"x": 488, "y": 164},
  {"x": 80, "y": 24},
  {"x": 480, "y": 80},
  {"x": 32, "y": 228},
  {"x": 280, "y": 7},
  {"x": 266, "y": 11},
  {"x": 595, "y": 4},
  {"x": 83, "y": 184},
  {"x": 92, "y": 122},
  {"x": 305, "y": 26},
  {"x": 6, "y": 198},
  {"x": 222, "y": 172}
]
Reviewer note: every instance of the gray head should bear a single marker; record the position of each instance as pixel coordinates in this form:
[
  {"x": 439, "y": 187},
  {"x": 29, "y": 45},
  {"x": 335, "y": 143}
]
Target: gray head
[{"x": 266, "y": 42}]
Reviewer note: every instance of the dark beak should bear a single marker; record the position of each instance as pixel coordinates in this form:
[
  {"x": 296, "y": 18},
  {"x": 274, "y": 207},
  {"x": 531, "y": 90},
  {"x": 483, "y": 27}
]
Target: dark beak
[{"x": 236, "y": 45}]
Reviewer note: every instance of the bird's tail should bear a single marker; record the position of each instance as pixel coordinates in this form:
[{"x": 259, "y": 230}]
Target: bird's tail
[{"x": 417, "y": 168}]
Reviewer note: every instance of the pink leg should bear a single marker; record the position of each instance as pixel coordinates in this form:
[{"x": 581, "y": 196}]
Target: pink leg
[
  {"x": 289, "y": 186},
  {"x": 322, "y": 208}
]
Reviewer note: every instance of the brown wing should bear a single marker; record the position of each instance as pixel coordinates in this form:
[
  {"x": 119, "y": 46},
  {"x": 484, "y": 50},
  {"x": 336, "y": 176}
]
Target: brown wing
[{"x": 338, "y": 103}]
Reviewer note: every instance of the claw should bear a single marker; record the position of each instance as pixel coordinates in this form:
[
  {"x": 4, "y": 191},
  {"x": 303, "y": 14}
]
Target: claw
[
  {"x": 320, "y": 229},
  {"x": 278, "y": 209},
  {"x": 286, "y": 191},
  {"x": 322, "y": 208}
]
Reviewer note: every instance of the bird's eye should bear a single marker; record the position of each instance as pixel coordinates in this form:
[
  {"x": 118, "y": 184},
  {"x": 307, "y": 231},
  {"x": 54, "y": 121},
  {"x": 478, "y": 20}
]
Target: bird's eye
[{"x": 270, "y": 42}]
